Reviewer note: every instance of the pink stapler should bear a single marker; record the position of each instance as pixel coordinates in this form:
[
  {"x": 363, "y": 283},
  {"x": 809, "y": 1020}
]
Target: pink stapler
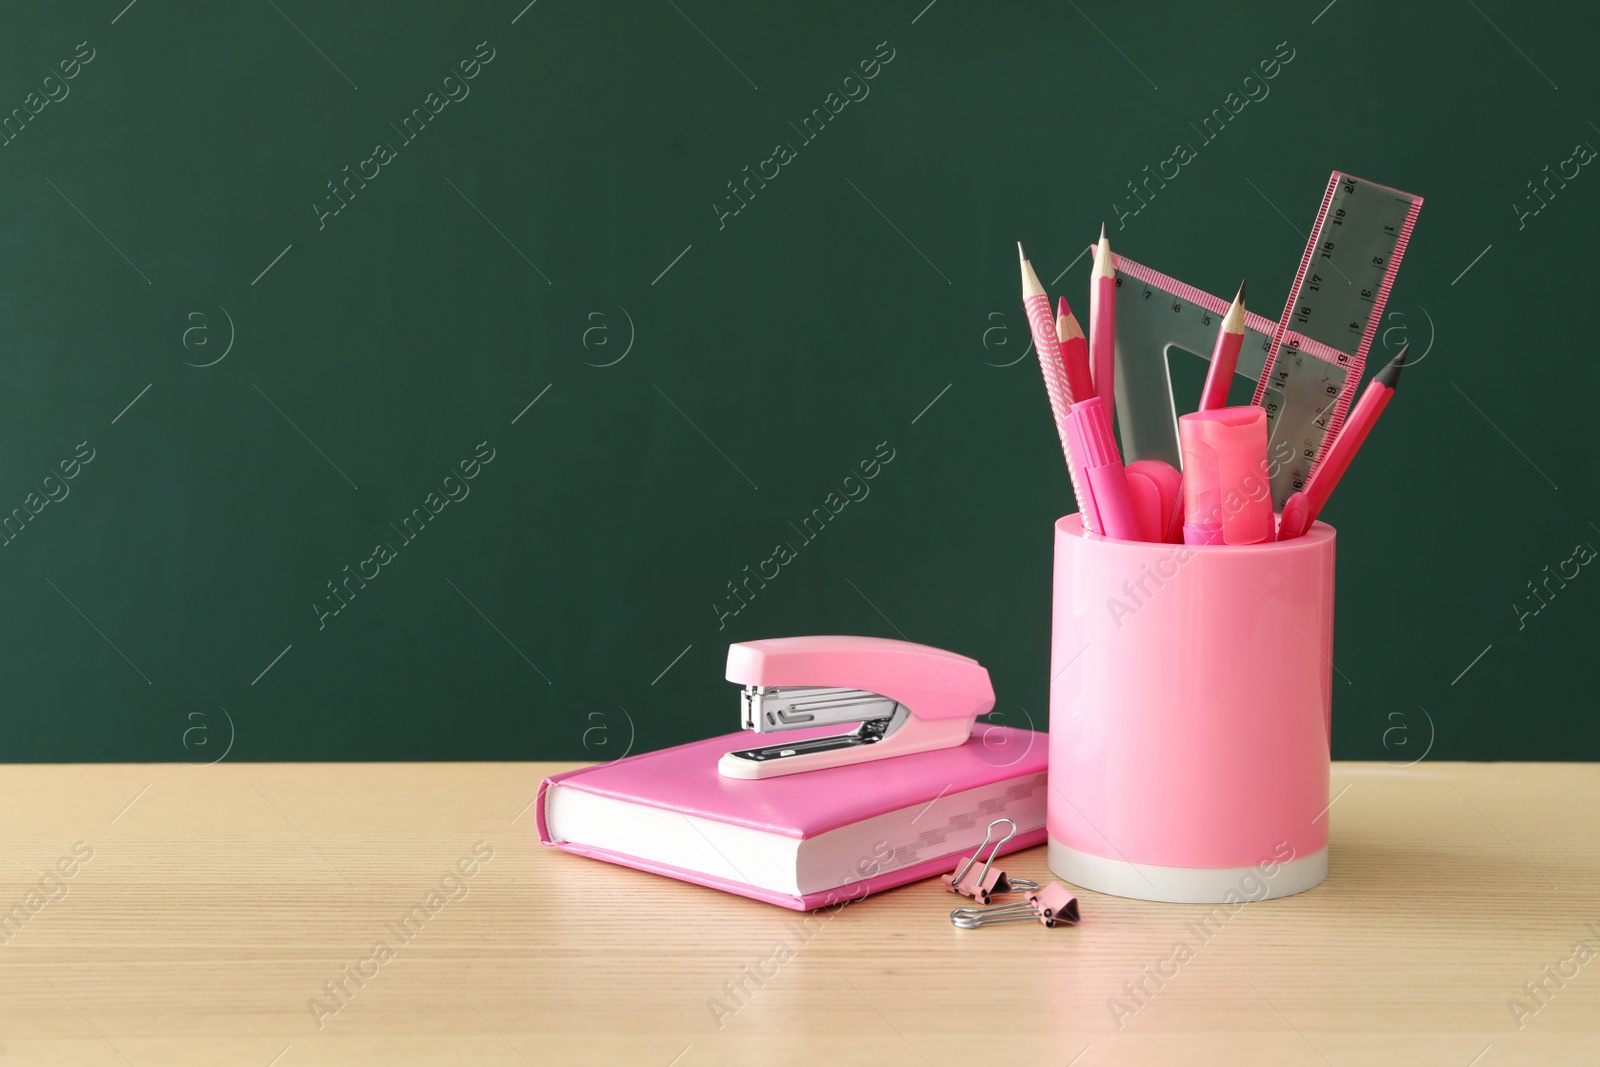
[{"x": 908, "y": 698}]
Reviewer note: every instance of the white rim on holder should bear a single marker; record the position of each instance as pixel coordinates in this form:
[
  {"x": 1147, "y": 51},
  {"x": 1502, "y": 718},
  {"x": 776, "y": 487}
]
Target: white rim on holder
[{"x": 1186, "y": 885}]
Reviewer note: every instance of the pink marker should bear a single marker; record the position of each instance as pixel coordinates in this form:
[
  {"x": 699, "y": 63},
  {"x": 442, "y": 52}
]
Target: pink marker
[
  {"x": 1227, "y": 495},
  {"x": 1089, "y": 424}
]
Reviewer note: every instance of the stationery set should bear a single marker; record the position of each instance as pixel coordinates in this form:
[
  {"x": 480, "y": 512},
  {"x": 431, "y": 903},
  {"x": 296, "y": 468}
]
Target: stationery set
[{"x": 1191, "y": 643}]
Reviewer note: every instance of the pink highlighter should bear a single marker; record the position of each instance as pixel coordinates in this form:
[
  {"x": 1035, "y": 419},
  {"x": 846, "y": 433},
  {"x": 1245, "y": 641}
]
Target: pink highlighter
[
  {"x": 1227, "y": 497},
  {"x": 1095, "y": 450}
]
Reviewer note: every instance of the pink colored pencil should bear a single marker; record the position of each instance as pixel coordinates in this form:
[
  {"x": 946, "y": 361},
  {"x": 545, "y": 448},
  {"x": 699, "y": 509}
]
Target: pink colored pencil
[
  {"x": 1043, "y": 327},
  {"x": 1103, "y": 323},
  {"x": 1074, "y": 352},
  {"x": 1224, "y": 357},
  {"x": 1297, "y": 516}
]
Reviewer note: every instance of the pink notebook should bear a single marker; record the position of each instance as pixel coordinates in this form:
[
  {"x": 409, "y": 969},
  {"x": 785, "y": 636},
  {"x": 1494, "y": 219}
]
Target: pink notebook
[{"x": 806, "y": 840}]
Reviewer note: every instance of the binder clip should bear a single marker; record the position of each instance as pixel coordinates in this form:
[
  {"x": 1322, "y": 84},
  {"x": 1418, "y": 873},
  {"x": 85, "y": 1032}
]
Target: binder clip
[
  {"x": 1050, "y": 906},
  {"x": 991, "y": 880}
]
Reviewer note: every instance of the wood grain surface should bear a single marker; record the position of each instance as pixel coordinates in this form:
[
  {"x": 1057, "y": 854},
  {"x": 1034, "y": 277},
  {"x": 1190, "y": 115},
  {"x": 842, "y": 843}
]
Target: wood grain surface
[{"x": 174, "y": 915}]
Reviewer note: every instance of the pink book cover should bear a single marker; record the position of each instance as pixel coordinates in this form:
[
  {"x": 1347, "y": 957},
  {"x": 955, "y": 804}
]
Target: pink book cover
[{"x": 803, "y": 805}]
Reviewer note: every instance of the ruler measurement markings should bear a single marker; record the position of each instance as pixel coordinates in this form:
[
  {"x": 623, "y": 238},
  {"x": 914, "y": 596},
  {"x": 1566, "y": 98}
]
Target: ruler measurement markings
[
  {"x": 1303, "y": 372},
  {"x": 1172, "y": 315},
  {"x": 1342, "y": 212}
]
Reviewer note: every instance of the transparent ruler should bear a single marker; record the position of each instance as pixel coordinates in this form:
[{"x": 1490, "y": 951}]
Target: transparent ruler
[{"x": 1306, "y": 366}]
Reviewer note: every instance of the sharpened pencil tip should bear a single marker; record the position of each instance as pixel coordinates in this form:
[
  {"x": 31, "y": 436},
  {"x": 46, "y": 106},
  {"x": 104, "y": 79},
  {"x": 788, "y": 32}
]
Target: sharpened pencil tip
[
  {"x": 1020, "y": 253},
  {"x": 1390, "y": 374},
  {"x": 1233, "y": 321},
  {"x": 1104, "y": 265}
]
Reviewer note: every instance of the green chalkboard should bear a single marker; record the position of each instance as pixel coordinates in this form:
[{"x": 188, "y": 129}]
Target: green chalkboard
[{"x": 419, "y": 381}]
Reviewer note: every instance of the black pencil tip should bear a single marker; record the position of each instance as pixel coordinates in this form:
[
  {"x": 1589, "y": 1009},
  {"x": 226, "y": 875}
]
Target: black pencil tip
[
  {"x": 1020, "y": 253},
  {"x": 1240, "y": 297},
  {"x": 1390, "y": 374}
]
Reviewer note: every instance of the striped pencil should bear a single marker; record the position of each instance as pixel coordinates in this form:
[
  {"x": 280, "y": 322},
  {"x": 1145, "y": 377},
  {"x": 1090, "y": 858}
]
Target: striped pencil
[
  {"x": 1074, "y": 352},
  {"x": 1056, "y": 386},
  {"x": 1103, "y": 322},
  {"x": 1225, "y": 356}
]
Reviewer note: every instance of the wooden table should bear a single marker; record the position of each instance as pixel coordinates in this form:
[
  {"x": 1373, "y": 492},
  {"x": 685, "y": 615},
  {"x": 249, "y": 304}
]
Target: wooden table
[{"x": 219, "y": 900}]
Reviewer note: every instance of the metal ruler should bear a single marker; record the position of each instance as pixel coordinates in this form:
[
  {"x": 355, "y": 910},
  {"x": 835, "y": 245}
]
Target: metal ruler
[{"x": 1306, "y": 366}]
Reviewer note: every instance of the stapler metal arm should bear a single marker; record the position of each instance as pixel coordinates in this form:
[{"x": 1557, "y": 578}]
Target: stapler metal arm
[{"x": 907, "y": 698}]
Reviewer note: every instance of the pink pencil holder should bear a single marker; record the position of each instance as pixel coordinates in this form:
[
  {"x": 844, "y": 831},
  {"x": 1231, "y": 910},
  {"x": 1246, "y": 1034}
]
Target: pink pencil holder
[{"x": 1191, "y": 716}]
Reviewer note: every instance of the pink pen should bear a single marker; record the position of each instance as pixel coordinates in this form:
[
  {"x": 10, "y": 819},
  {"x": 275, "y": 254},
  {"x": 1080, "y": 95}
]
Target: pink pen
[{"x": 1089, "y": 424}]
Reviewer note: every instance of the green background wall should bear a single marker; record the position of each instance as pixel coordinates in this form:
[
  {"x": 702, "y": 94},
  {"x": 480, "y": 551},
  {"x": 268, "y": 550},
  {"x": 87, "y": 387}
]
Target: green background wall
[{"x": 703, "y": 381}]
